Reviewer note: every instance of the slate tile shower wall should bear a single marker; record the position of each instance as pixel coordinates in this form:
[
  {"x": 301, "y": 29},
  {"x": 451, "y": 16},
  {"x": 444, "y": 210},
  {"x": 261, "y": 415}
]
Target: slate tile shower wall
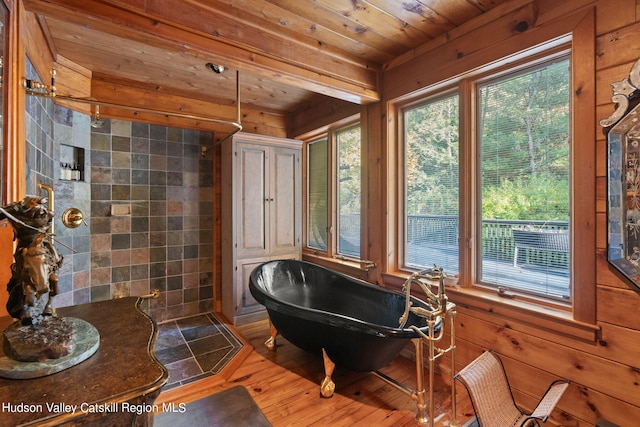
[
  {"x": 147, "y": 196},
  {"x": 152, "y": 216},
  {"x": 48, "y": 128}
]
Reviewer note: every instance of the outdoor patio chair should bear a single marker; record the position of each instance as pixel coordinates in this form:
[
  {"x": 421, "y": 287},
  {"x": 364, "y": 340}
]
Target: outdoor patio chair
[{"x": 486, "y": 382}]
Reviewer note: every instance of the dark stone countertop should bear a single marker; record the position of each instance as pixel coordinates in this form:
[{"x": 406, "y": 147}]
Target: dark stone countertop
[{"x": 124, "y": 369}]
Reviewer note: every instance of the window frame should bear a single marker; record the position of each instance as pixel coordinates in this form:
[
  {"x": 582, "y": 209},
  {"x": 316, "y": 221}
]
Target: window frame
[
  {"x": 466, "y": 88},
  {"x": 556, "y": 54},
  {"x": 579, "y": 318},
  {"x": 330, "y": 133},
  {"x": 434, "y": 96},
  {"x": 336, "y": 190},
  {"x": 308, "y": 144}
]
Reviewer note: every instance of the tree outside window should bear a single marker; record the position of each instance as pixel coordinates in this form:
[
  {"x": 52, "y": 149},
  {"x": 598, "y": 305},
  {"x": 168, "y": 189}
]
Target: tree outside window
[
  {"x": 522, "y": 188},
  {"x": 334, "y": 187},
  {"x": 349, "y": 189}
]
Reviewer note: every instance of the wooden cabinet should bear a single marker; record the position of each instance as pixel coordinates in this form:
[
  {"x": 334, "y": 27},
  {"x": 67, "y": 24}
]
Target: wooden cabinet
[{"x": 261, "y": 214}]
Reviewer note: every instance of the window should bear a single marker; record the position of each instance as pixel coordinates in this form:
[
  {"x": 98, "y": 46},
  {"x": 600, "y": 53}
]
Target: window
[
  {"x": 317, "y": 195},
  {"x": 519, "y": 198},
  {"x": 349, "y": 186},
  {"x": 334, "y": 193},
  {"x": 523, "y": 139},
  {"x": 431, "y": 191}
]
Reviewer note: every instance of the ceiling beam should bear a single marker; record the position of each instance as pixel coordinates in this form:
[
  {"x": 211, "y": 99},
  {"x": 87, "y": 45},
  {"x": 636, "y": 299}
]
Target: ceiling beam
[{"x": 317, "y": 73}]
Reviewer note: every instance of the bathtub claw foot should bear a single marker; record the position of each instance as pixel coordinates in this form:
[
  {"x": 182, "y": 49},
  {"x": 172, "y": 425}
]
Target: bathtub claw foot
[
  {"x": 270, "y": 343},
  {"x": 327, "y": 387}
]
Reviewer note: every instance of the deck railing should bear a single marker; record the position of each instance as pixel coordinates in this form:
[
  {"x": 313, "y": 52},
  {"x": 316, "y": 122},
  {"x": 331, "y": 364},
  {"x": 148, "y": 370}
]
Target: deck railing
[
  {"x": 543, "y": 243},
  {"x": 498, "y": 241}
]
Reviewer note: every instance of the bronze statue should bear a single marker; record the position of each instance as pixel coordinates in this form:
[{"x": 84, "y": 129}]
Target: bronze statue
[
  {"x": 34, "y": 280},
  {"x": 37, "y": 334}
]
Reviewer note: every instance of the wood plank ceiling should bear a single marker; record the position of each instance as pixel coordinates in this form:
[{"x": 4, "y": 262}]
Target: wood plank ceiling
[{"x": 289, "y": 52}]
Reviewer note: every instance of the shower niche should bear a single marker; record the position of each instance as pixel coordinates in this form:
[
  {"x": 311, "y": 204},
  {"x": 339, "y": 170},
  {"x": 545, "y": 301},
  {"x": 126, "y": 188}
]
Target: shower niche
[{"x": 71, "y": 163}]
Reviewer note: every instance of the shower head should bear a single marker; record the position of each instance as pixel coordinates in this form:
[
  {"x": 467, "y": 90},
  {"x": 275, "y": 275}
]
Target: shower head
[{"x": 96, "y": 122}]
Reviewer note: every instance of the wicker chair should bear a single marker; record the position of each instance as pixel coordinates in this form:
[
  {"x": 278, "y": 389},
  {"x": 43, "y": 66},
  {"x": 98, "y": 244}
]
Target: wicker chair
[{"x": 486, "y": 382}]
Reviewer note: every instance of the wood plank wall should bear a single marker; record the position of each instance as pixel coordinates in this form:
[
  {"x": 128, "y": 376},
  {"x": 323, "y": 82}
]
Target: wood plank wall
[
  {"x": 616, "y": 373},
  {"x": 605, "y": 374}
]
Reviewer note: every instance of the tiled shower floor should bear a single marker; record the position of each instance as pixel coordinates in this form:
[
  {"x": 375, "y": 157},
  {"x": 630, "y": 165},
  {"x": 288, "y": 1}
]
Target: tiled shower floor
[{"x": 194, "y": 347}]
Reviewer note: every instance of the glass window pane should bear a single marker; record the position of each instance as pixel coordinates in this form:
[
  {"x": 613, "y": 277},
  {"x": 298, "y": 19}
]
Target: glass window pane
[
  {"x": 317, "y": 195},
  {"x": 524, "y": 148},
  {"x": 349, "y": 188},
  {"x": 431, "y": 173}
]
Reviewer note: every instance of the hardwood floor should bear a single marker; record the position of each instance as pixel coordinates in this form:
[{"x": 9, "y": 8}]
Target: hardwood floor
[{"x": 285, "y": 385}]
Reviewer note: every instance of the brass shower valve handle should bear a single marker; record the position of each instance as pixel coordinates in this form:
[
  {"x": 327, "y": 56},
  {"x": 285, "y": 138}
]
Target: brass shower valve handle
[{"x": 73, "y": 218}]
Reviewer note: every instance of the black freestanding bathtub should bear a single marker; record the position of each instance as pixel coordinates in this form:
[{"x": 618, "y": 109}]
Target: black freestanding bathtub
[{"x": 314, "y": 308}]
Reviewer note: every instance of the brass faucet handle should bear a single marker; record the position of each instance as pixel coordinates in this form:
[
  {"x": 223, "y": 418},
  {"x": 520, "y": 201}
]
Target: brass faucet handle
[{"x": 73, "y": 218}]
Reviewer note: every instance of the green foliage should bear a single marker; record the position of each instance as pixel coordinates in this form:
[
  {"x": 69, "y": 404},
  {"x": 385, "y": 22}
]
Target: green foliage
[
  {"x": 527, "y": 198},
  {"x": 525, "y": 145},
  {"x": 349, "y": 170},
  {"x": 432, "y": 146},
  {"x": 523, "y": 129}
]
